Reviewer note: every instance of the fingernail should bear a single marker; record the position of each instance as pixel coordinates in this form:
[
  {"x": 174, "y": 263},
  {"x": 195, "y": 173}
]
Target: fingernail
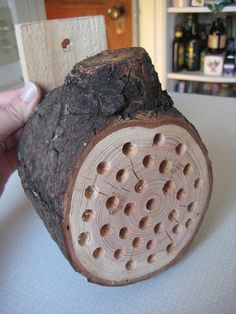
[{"x": 29, "y": 92}]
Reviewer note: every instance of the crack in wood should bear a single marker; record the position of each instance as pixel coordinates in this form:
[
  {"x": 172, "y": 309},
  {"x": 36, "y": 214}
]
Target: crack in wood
[{"x": 168, "y": 236}]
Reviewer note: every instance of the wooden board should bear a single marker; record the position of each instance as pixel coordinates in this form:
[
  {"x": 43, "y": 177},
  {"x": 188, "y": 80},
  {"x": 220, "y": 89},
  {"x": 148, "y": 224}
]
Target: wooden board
[{"x": 49, "y": 49}]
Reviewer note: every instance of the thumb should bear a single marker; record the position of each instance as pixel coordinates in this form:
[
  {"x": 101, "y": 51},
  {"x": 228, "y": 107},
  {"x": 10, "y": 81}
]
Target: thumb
[{"x": 16, "y": 111}]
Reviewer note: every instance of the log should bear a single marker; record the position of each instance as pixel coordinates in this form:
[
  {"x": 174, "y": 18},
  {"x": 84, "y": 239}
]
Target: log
[{"x": 120, "y": 178}]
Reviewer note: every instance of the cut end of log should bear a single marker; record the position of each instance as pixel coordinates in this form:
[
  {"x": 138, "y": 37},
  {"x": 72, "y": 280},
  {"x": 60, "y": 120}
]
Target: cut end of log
[
  {"x": 149, "y": 199},
  {"x": 119, "y": 177}
]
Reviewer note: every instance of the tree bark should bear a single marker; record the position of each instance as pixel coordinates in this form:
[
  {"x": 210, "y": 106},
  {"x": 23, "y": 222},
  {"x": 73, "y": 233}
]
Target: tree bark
[{"x": 105, "y": 95}]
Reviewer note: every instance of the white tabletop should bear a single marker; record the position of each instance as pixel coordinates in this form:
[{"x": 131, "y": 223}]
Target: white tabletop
[{"x": 36, "y": 278}]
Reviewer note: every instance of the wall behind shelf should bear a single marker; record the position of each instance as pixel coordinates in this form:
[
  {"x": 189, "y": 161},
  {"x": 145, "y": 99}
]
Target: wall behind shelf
[{"x": 152, "y": 30}]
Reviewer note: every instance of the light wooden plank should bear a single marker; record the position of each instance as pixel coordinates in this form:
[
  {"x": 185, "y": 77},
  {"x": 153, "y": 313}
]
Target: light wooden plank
[{"x": 43, "y": 59}]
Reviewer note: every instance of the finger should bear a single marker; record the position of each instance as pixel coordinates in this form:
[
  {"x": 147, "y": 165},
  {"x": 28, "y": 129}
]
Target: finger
[
  {"x": 11, "y": 141},
  {"x": 6, "y": 97},
  {"x": 14, "y": 114},
  {"x": 8, "y": 163}
]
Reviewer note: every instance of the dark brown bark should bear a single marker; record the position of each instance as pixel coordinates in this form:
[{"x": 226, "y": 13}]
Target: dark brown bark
[{"x": 111, "y": 87}]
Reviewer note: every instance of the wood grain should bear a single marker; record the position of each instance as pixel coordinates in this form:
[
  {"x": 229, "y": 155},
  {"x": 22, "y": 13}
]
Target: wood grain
[
  {"x": 168, "y": 201},
  {"x": 49, "y": 49}
]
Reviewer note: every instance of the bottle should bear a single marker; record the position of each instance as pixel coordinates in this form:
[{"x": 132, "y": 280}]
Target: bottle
[
  {"x": 178, "y": 50},
  {"x": 180, "y": 86},
  {"x": 217, "y": 37},
  {"x": 222, "y": 35},
  {"x": 229, "y": 28},
  {"x": 189, "y": 87},
  {"x": 230, "y": 58},
  {"x": 224, "y": 89},
  {"x": 192, "y": 47},
  {"x": 203, "y": 45}
]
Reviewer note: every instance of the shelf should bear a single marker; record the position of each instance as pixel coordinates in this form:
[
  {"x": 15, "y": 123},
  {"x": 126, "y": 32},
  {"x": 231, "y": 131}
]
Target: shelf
[
  {"x": 199, "y": 10},
  {"x": 199, "y": 77}
]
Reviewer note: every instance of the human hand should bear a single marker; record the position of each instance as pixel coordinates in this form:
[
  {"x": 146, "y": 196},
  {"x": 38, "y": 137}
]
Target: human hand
[{"x": 16, "y": 106}]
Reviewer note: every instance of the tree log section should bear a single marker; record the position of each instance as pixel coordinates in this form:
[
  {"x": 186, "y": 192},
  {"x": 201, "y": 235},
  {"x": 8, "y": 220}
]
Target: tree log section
[{"x": 119, "y": 177}]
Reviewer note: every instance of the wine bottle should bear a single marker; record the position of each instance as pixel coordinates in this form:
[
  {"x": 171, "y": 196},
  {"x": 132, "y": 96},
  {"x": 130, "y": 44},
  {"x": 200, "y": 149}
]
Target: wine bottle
[
  {"x": 217, "y": 37},
  {"x": 229, "y": 27},
  {"x": 178, "y": 50},
  {"x": 203, "y": 45},
  {"x": 230, "y": 57},
  {"x": 192, "y": 47}
]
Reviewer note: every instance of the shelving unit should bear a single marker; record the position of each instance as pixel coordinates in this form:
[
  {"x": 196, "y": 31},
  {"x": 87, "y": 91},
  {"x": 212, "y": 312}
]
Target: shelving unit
[
  {"x": 198, "y": 76},
  {"x": 175, "y": 16},
  {"x": 227, "y": 9}
]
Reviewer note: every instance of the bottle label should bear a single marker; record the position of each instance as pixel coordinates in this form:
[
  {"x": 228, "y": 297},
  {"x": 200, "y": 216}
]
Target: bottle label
[
  {"x": 228, "y": 69},
  {"x": 213, "y": 41},
  {"x": 178, "y": 34},
  {"x": 222, "y": 41},
  {"x": 192, "y": 56},
  {"x": 181, "y": 55}
]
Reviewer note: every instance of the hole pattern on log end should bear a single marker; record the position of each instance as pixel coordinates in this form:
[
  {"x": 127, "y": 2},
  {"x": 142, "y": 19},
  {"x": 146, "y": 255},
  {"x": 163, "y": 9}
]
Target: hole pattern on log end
[{"x": 141, "y": 202}]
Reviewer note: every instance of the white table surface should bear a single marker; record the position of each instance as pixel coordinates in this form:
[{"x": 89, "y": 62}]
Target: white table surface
[{"x": 36, "y": 278}]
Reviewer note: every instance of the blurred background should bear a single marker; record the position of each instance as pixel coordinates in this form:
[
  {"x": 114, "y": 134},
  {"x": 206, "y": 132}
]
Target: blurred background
[{"x": 191, "y": 42}]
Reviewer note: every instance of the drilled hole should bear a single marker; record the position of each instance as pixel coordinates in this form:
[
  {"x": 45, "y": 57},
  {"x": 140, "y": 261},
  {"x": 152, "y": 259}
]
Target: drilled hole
[
  {"x": 119, "y": 253},
  {"x": 91, "y": 192},
  {"x": 88, "y": 215},
  {"x": 159, "y": 139},
  {"x": 189, "y": 223},
  {"x": 151, "y": 258},
  {"x": 130, "y": 149},
  {"x": 181, "y": 194},
  {"x": 129, "y": 209},
  {"x": 122, "y": 175},
  {"x": 198, "y": 183},
  {"x": 192, "y": 207},
  {"x": 112, "y": 203},
  {"x": 159, "y": 228},
  {"x": 165, "y": 166},
  {"x": 65, "y": 43},
  {"x": 98, "y": 253},
  {"x": 169, "y": 187},
  {"x": 131, "y": 265},
  {"x": 177, "y": 229},
  {"x": 174, "y": 215},
  {"x": 151, "y": 204},
  {"x": 148, "y": 161},
  {"x": 141, "y": 186},
  {"x": 181, "y": 149},
  {"x": 84, "y": 238},
  {"x": 188, "y": 170},
  {"x": 170, "y": 248},
  {"x": 104, "y": 168},
  {"x": 137, "y": 242},
  {"x": 124, "y": 232},
  {"x": 144, "y": 223},
  {"x": 106, "y": 230},
  {"x": 151, "y": 244}
]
